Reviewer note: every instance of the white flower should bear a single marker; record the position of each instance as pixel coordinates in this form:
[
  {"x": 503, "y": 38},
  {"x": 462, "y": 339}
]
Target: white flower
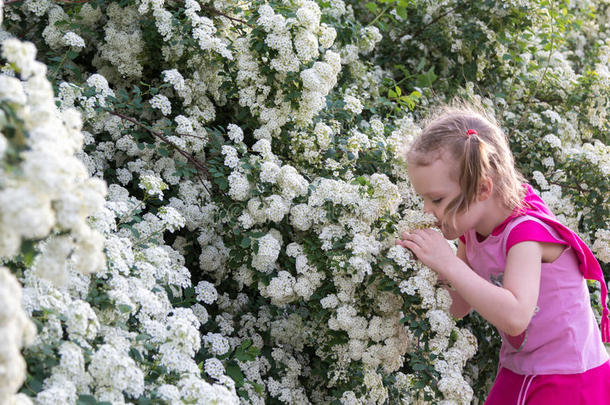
[
  {"x": 160, "y": 102},
  {"x": 172, "y": 219},
  {"x": 231, "y": 156},
  {"x": 330, "y": 301},
  {"x": 269, "y": 172},
  {"x": 22, "y": 54},
  {"x": 353, "y": 104},
  {"x": 216, "y": 343},
  {"x": 440, "y": 321},
  {"x": 268, "y": 252},
  {"x": 239, "y": 186},
  {"x": 206, "y": 292},
  {"x": 73, "y": 40},
  {"x": 235, "y": 133},
  {"x": 153, "y": 185},
  {"x": 214, "y": 368},
  {"x": 291, "y": 182},
  {"x": 11, "y": 90},
  {"x": 601, "y": 246},
  {"x": 552, "y": 140},
  {"x": 281, "y": 288},
  {"x": 112, "y": 368},
  {"x": 81, "y": 320}
]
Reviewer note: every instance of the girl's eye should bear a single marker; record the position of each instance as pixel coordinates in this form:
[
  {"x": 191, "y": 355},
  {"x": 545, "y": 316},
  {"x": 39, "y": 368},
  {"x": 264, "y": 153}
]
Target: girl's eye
[{"x": 438, "y": 200}]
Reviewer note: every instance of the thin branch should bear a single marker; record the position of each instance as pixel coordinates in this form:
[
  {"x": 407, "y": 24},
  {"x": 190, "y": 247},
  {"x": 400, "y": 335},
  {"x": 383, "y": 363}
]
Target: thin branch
[
  {"x": 379, "y": 16},
  {"x": 198, "y": 165},
  {"x": 220, "y": 13},
  {"x": 573, "y": 186}
]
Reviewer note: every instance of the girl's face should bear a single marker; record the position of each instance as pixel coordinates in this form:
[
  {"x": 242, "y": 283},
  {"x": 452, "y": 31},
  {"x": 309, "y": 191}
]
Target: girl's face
[{"x": 436, "y": 183}]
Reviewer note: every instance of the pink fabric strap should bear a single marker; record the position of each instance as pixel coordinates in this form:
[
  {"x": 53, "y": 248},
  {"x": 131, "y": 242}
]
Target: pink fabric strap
[{"x": 530, "y": 231}]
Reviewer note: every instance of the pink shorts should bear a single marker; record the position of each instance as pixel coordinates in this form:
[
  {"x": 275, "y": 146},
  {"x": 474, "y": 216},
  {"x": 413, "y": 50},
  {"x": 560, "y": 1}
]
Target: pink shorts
[{"x": 589, "y": 388}]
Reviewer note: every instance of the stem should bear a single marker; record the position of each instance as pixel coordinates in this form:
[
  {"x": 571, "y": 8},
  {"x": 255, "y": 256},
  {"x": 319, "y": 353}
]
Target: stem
[
  {"x": 378, "y": 16},
  {"x": 59, "y": 66},
  {"x": 147, "y": 238},
  {"x": 198, "y": 165},
  {"x": 403, "y": 79},
  {"x": 130, "y": 213}
]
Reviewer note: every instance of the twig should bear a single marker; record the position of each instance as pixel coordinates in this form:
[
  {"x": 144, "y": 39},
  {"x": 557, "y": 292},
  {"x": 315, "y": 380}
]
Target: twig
[
  {"x": 573, "y": 186},
  {"x": 220, "y": 13},
  {"x": 378, "y": 16},
  {"x": 59, "y": 66},
  {"x": 187, "y": 155}
]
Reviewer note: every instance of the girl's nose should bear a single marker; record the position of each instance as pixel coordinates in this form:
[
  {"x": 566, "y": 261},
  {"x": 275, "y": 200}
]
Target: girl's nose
[{"x": 427, "y": 208}]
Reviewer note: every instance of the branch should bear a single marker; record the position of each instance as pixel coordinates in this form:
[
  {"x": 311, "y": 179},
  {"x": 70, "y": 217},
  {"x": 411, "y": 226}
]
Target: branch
[
  {"x": 573, "y": 186},
  {"x": 198, "y": 165},
  {"x": 220, "y": 13}
]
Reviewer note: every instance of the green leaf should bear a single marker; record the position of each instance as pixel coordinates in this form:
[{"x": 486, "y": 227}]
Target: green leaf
[
  {"x": 419, "y": 367},
  {"x": 401, "y": 12},
  {"x": 372, "y": 7},
  {"x": 245, "y": 242},
  {"x": 235, "y": 373}
]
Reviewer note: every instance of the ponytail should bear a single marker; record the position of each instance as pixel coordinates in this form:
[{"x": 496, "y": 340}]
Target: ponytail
[{"x": 474, "y": 167}]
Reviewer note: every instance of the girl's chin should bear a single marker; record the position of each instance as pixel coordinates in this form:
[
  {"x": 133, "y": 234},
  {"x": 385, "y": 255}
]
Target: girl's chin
[{"x": 449, "y": 234}]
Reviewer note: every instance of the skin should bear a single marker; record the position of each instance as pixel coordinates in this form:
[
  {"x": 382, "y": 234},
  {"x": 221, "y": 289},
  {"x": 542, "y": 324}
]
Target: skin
[{"x": 510, "y": 307}]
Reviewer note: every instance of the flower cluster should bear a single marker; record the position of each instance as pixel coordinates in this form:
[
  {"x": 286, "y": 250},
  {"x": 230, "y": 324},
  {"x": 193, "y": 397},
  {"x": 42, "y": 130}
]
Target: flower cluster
[{"x": 42, "y": 172}]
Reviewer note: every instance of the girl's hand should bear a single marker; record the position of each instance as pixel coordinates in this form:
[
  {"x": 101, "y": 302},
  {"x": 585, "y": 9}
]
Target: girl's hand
[{"x": 430, "y": 247}]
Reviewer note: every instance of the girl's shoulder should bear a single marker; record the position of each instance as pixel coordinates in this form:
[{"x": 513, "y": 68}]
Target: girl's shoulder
[{"x": 529, "y": 228}]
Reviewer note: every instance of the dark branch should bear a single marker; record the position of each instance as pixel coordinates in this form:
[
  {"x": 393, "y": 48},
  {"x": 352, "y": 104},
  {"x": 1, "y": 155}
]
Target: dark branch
[
  {"x": 198, "y": 165},
  {"x": 220, "y": 13}
]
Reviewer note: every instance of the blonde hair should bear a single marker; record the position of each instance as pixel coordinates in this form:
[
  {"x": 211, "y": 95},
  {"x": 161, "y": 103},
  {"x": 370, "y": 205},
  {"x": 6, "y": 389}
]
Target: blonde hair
[{"x": 485, "y": 154}]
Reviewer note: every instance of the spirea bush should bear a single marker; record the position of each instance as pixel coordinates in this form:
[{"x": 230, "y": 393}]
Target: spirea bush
[{"x": 199, "y": 199}]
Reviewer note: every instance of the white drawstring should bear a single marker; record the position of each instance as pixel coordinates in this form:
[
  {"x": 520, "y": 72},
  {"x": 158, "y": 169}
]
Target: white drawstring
[{"x": 523, "y": 394}]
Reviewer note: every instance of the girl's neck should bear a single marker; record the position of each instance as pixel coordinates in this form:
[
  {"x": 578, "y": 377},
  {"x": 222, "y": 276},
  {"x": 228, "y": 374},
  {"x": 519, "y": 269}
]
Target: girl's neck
[{"x": 493, "y": 215}]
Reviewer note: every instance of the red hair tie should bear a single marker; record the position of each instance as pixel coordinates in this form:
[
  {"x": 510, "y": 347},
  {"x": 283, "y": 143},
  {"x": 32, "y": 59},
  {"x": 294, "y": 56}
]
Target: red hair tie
[{"x": 471, "y": 132}]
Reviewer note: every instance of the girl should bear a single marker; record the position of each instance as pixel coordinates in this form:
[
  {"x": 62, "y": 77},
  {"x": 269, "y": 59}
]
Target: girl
[{"x": 516, "y": 265}]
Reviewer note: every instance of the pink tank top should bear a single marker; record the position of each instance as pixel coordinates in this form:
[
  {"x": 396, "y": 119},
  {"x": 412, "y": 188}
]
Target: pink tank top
[{"x": 563, "y": 336}]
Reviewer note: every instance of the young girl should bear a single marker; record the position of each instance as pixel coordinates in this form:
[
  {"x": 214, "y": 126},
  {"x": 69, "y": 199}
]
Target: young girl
[{"x": 516, "y": 265}]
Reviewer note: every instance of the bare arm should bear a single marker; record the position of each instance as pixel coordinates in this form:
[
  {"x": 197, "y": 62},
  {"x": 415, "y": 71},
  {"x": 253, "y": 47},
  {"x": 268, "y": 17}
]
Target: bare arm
[
  {"x": 459, "y": 308},
  {"x": 510, "y": 307}
]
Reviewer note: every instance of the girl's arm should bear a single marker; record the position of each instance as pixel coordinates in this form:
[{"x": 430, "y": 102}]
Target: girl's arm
[
  {"x": 459, "y": 307},
  {"x": 510, "y": 307}
]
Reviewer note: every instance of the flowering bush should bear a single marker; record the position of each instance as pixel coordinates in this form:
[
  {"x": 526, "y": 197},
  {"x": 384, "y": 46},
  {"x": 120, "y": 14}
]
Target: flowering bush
[{"x": 209, "y": 192}]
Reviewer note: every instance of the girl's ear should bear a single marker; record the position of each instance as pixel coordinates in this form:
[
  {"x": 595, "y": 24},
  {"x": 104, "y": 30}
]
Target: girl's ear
[{"x": 485, "y": 188}]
